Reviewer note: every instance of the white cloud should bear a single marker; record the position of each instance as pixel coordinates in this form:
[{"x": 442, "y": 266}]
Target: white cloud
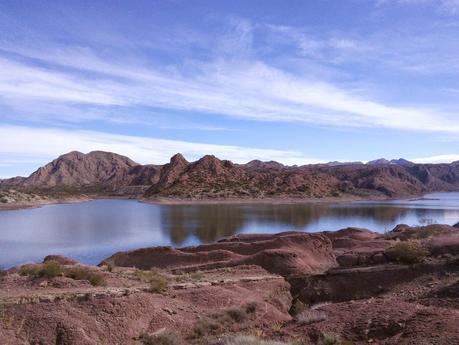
[
  {"x": 43, "y": 144},
  {"x": 437, "y": 159},
  {"x": 245, "y": 89}
]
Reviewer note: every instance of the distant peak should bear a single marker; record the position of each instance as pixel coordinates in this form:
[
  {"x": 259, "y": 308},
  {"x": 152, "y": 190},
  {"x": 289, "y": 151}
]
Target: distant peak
[{"x": 380, "y": 161}]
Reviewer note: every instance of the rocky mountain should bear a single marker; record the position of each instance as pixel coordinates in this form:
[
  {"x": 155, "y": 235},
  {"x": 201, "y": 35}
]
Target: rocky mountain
[
  {"x": 97, "y": 169},
  {"x": 402, "y": 162},
  {"x": 212, "y": 178},
  {"x": 383, "y": 161}
]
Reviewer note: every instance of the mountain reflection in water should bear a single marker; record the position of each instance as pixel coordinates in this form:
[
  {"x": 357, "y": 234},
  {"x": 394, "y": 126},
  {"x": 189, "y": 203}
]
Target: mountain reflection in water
[{"x": 93, "y": 230}]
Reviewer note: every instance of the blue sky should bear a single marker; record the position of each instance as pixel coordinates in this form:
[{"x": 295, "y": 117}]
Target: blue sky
[{"x": 294, "y": 81}]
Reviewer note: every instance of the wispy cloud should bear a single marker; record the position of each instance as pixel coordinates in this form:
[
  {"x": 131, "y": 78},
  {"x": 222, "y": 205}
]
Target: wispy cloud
[
  {"x": 29, "y": 144},
  {"x": 245, "y": 89}
]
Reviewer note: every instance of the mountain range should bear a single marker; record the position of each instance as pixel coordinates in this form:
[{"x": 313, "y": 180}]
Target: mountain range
[{"x": 211, "y": 178}]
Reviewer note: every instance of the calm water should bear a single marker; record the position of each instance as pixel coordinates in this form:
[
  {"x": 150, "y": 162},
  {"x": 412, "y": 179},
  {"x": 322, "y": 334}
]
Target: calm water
[{"x": 93, "y": 230}]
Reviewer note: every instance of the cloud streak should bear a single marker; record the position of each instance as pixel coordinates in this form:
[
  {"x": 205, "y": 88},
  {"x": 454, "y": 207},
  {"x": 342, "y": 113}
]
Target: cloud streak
[{"x": 244, "y": 89}]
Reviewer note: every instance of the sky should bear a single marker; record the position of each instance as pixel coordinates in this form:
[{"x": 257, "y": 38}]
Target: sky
[{"x": 295, "y": 81}]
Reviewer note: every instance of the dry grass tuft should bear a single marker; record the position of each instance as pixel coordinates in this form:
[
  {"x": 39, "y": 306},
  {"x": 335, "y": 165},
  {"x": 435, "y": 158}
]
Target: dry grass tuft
[
  {"x": 157, "y": 280},
  {"x": 308, "y": 317}
]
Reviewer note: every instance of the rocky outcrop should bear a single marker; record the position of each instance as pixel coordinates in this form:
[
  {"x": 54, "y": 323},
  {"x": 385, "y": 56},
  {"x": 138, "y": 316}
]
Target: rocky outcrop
[
  {"x": 229, "y": 287},
  {"x": 285, "y": 254}
]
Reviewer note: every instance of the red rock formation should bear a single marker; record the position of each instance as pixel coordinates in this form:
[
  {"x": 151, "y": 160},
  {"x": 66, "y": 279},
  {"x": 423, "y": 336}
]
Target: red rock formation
[
  {"x": 284, "y": 254},
  {"x": 212, "y": 178}
]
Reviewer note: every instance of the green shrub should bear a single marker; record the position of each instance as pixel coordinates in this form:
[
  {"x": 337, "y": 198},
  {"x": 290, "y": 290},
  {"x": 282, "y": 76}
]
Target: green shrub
[
  {"x": 83, "y": 273},
  {"x": 166, "y": 338},
  {"x": 408, "y": 252}
]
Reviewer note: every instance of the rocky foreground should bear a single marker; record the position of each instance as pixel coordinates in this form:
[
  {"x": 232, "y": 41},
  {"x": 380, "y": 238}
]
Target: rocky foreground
[
  {"x": 104, "y": 174},
  {"x": 352, "y": 286}
]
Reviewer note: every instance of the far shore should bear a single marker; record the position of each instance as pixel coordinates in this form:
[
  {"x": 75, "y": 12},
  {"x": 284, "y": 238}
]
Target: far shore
[{"x": 179, "y": 201}]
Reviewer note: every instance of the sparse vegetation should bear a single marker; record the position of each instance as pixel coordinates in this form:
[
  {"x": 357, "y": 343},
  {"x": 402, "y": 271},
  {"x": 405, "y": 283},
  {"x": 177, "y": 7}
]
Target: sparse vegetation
[
  {"x": 237, "y": 314},
  {"x": 250, "y": 340},
  {"x": 166, "y": 338},
  {"x": 217, "y": 323},
  {"x": 205, "y": 327},
  {"x": 83, "y": 273},
  {"x": 328, "y": 338},
  {"x": 156, "y": 279},
  {"x": 158, "y": 283},
  {"x": 50, "y": 269},
  {"x": 297, "y": 307},
  {"x": 408, "y": 252},
  {"x": 308, "y": 317},
  {"x": 3, "y": 272},
  {"x": 197, "y": 275},
  {"x": 251, "y": 307}
]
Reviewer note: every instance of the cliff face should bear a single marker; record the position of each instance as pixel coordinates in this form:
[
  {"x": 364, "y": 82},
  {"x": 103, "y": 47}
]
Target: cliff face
[{"x": 212, "y": 178}]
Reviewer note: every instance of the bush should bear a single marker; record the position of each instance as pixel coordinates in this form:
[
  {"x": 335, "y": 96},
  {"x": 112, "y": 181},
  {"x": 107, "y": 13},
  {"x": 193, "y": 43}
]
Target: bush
[
  {"x": 408, "y": 252},
  {"x": 3, "y": 272},
  {"x": 251, "y": 307},
  {"x": 216, "y": 323},
  {"x": 308, "y": 317},
  {"x": 158, "y": 283},
  {"x": 206, "y": 326},
  {"x": 166, "y": 338},
  {"x": 237, "y": 314},
  {"x": 49, "y": 269},
  {"x": 83, "y": 273},
  {"x": 30, "y": 270}
]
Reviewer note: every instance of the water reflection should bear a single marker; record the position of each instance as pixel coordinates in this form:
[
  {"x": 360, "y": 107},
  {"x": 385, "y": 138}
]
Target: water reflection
[
  {"x": 93, "y": 230},
  {"x": 211, "y": 222}
]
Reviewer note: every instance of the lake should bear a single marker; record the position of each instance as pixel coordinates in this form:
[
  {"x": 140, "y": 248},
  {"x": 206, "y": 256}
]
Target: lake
[{"x": 93, "y": 230}]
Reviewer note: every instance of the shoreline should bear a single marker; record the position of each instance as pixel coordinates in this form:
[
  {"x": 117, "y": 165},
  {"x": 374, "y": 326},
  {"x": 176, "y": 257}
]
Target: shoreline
[
  {"x": 177, "y": 201},
  {"x": 225, "y": 201}
]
